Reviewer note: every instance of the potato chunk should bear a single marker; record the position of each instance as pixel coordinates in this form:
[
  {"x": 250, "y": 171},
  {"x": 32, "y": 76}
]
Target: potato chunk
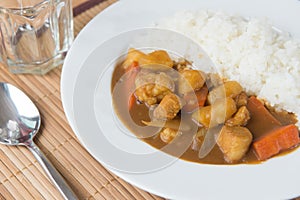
[
  {"x": 156, "y": 59},
  {"x": 190, "y": 80},
  {"x": 240, "y": 118},
  {"x": 234, "y": 142},
  {"x": 152, "y": 87},
  {"x": 228, "y": 89},
  {"x": 168, "y": 107},
  {"x": 133, "y": 55},
  {"x": 218, "y": 113}
]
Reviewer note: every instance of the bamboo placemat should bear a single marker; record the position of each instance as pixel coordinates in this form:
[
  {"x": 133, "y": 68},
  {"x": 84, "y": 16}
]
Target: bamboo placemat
[{"x": 21, "y": 177}]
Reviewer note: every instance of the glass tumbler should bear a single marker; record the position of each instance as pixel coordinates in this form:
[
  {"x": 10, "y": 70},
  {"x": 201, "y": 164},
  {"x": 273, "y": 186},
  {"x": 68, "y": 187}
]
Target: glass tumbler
[{"x": 35, "y": 35}]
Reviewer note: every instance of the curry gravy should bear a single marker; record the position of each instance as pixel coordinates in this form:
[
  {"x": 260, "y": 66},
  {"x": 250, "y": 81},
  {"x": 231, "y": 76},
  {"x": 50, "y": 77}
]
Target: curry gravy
[{"x": 257, "y": 125}]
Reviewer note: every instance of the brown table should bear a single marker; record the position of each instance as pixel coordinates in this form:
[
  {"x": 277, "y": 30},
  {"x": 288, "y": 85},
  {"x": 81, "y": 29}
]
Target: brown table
[{"x": 21, "y": 177}]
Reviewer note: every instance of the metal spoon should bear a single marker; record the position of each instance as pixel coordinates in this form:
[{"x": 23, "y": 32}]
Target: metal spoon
[{"x": 19, "y": 122}]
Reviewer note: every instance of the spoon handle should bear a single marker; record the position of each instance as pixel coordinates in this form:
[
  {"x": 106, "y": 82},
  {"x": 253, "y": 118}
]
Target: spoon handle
[{"x": 52, "y": 173}]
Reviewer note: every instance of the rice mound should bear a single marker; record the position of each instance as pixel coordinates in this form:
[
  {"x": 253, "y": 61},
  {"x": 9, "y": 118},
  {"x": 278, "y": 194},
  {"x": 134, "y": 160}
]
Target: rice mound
[{"x": 265, "y": 61}]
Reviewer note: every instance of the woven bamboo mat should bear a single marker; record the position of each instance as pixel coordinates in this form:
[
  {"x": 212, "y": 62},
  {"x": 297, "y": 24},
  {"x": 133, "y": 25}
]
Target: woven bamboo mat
[{"x": 21, "y": 177}]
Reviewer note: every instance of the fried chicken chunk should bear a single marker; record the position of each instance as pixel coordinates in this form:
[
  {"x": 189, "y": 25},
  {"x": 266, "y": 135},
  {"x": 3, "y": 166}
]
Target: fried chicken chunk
[
  {"x": 152, "y": 87},
  {"x": 240, "y": 118},
  {"x": 168, "y": 107},
  {"x": 241, "y": 99}
]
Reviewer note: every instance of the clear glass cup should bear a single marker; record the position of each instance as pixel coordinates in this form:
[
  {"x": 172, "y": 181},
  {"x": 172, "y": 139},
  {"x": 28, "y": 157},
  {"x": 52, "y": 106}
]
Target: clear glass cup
[{"x": 35, "y": 35}]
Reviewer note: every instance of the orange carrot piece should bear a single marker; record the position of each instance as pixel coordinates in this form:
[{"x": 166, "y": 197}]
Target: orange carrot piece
[
  {"x": 134, "y": 66},
  {"x": 202, "y": 96},
  {"x": 260, "y": 115},
  {"x": 275, "y": 141},
  {"x": 131, "y": 101},
  {"x": 253, "y": 102},
  {"x": 195, "y": 99},
  {"x": 131, "y": 73}
]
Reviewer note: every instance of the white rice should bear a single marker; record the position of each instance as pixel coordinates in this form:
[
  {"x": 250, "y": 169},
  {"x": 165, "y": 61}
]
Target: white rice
[{"x": 264, "y": 61}]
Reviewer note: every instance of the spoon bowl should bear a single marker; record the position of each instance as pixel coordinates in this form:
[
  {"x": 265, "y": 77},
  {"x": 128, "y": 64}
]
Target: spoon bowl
[{"x": 20, "y": 121}]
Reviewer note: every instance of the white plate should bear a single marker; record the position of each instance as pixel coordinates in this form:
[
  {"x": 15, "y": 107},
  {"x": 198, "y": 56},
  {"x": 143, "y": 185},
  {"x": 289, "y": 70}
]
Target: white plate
[{"x": 276, "y": 179}]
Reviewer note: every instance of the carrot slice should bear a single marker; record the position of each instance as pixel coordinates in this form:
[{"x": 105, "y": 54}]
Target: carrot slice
[
  {"x": 134, "y": 66},
  {"x": 275, "y": 141},
  {"x": 262, "y": 121},
  {"x": 131, "y": 73},
  {"x": 131, "y": 101},
  {"x": 195, "y": 100}
]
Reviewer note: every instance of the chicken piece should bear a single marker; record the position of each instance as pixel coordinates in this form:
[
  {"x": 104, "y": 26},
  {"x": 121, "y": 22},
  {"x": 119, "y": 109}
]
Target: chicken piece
[
  {"x": 151, "y": 87},
  {"x": 234, "y": 142},
  {"x": 213, "y": 115},
  {"x": 228, "y": 89},
  {"x": 190, "y": 80},
  {"x": 240, "y": 118},
  {"x": 168, "y": 107},
  {"x": 241, "y": 99},
  {"x": 198, "y": 139},
  {"x": 168, "y": 134}
]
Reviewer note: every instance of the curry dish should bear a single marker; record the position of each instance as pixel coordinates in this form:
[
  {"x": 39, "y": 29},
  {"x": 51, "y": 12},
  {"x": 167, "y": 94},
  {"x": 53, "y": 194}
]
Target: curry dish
[{"x": 166, "y": 102}]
